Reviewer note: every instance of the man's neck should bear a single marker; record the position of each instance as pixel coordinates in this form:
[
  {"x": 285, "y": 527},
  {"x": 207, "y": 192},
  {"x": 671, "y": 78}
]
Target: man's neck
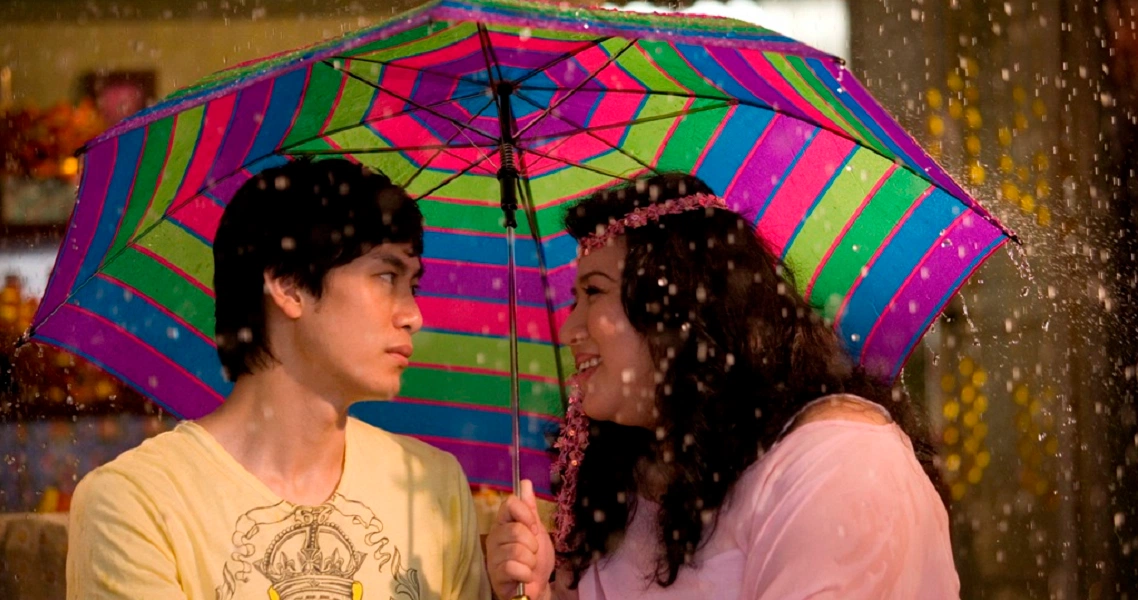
[{"x": 288, "y": 436}]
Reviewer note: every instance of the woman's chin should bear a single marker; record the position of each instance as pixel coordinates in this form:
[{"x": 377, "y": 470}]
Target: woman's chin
[{"x": 595, "y": 407}]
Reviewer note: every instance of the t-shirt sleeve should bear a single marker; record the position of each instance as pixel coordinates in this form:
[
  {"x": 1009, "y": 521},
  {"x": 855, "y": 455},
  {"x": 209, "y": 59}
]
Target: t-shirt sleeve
[
  {"x": 117, "y": 544},
  {"x": 848, "y": 515},
  {"x": 467, "y": 567}
]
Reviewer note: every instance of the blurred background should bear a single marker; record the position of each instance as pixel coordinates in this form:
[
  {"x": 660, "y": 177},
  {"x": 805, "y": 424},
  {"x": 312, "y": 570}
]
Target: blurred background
[{"x": 1029, "y": 379}]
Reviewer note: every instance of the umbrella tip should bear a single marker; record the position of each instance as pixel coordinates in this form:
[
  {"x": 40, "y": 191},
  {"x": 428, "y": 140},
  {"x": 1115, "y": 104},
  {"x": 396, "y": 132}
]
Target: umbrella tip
[{"x": 24, "y": 339}]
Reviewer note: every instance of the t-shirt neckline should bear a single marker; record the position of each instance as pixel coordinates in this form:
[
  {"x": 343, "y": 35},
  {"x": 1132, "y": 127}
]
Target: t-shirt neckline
[{"x": 235, "y": 469}]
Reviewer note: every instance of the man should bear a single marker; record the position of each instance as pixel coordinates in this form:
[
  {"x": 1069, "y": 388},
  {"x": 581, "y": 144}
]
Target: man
[{"x": 278, "y": 493}]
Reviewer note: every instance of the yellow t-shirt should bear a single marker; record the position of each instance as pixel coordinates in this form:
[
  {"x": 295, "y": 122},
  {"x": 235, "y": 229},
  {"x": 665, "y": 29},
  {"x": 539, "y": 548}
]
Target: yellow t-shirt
[{"x": 178, "y": 517}]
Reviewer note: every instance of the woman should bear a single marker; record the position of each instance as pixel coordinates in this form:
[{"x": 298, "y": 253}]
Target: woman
[{"x": 733, "y": 449}]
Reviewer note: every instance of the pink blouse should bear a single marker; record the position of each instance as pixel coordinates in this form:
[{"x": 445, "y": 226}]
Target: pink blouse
[{"x": 836, "y": 509}]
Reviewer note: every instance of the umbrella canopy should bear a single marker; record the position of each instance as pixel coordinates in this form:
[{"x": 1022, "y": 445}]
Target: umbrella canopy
[{"x": 878, "y": 235}]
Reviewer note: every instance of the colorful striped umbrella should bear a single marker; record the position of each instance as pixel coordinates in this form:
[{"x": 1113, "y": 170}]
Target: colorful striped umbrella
[{"x": 878, "y": 235}]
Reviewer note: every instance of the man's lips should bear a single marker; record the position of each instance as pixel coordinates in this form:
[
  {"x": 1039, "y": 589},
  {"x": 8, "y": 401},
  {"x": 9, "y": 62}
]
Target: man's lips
[{"x": 402, "y": 353}]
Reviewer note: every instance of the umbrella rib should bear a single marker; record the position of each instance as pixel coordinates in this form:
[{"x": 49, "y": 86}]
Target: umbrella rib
[
  {"x": 579, "y": 165},
  {"x": 650, "y": 92},
  {"x": 564, "y": 57},
  {"x": 425, "y": 71},
  {"x": 401, "y": 113},
  {"x": 548, "y": 110},
  {"x": 530, "y": 210},
  {"x": 623, "y": 124},
  {"x": 489, "y": 57},
  {"x": 592, "y": 133},
  {"x": 388, "y": 150},
  {"x": 453, "y": 177},
  {"x": 422, "y": 107},
  {"x": 460, "y": 127},
  {"x": 441, "y": 151}
]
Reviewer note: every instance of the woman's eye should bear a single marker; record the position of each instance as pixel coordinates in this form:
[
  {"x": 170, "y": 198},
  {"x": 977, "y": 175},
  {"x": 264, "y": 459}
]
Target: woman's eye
[{"x": 592, "y": 290}]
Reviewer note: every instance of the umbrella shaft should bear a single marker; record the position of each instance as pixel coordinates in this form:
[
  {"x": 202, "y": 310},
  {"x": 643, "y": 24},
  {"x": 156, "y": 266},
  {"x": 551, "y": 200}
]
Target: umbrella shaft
[
  {"x": 515, "y": 408},
  {"x": 515, "y": 404}
]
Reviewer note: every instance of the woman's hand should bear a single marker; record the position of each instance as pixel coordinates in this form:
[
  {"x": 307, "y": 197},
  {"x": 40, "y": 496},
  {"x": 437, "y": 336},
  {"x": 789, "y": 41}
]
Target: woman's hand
[{"x": 519, "y": 549}]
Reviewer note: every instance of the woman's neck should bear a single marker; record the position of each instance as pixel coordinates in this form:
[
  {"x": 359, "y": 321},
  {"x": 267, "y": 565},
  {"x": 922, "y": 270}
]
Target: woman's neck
[{"x": 652, "y": 478}]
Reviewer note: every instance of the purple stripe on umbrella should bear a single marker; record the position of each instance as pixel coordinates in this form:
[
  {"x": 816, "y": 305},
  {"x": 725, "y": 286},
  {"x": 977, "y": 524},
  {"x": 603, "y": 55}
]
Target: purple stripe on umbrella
[
  {"x": 99, "y": 166},
  {"x": 440, "y": 118},
  {"x": 451, "y": 122},
  {"x": 129, "y": 359},
  {"x": 757, "y": 180},
  {"x": 733, "y": 61},
  {"x": 920, "y": 299},
  {"x": 477, "y": 281},
  {"x": 490, "y": 463},
  {"x": 247, "y": 116},
  {"x": 906, "y": 142},
  {"x": 226, "y": 188},
  {"x": 570, "y": 73},
  {"x": 571, "y": 115}
]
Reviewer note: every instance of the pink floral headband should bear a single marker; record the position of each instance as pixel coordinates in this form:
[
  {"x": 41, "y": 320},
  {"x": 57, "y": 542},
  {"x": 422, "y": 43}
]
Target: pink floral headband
[{"x": 647, "y": 214}]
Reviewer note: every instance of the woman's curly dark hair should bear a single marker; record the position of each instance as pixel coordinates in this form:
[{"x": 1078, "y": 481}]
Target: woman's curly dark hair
[{"x": 739, "y": 353}]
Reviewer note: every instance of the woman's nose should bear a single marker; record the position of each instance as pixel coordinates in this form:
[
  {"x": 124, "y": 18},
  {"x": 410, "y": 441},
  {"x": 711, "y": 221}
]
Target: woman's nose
[{"x": 573, "y": 330}]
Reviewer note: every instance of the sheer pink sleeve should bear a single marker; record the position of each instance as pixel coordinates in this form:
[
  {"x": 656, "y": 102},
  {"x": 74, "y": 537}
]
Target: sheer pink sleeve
[{"x": 843, "y": 510}]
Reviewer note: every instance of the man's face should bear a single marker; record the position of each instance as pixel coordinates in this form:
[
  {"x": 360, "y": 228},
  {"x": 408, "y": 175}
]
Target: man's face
[{"x": 355, "y": 340}]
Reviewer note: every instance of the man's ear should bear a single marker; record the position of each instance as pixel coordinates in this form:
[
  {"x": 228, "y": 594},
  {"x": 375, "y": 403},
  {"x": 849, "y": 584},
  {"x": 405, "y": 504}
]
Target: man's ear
[{"x": 285, "y": 293}]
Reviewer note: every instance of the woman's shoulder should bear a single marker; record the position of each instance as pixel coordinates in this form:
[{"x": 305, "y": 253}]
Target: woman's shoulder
[
  {"x": 841, "y": 443},
  {"x": 843, "y": 488},
  {"x": 842, "y": 407}
]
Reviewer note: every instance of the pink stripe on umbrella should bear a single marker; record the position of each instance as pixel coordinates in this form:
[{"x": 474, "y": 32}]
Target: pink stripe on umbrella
[
  {"x": 201, "y": 216},
  {"x": 484, "y": 318},
  {"x": 803, "y": 186}
]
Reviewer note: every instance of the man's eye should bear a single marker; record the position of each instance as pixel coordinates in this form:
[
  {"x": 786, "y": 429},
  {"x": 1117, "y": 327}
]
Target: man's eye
[{"x": 388, "y": 277}]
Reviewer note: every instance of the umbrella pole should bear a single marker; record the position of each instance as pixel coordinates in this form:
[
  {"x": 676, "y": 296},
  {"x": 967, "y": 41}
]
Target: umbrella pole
[{"x": 508, "y": 182}]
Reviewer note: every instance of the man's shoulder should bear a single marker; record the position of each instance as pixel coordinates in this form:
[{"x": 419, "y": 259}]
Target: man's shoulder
[
  {"x": 145, "y": 466},
  {"x": 416, "y": 450}
]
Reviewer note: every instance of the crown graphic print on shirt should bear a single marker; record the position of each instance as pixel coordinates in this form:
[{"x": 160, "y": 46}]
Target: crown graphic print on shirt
[{"x": 315, "y": 553}]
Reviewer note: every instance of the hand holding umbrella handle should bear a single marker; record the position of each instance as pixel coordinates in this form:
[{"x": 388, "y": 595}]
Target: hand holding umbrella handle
[{"x": 519, "y": 551}]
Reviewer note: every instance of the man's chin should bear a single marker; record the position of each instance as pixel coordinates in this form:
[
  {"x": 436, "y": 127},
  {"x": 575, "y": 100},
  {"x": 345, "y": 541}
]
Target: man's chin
[{"x": 376, "y": 393}]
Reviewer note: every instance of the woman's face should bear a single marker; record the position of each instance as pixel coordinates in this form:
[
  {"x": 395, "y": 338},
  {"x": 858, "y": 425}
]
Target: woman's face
[{"x": 613, "y": 362}]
